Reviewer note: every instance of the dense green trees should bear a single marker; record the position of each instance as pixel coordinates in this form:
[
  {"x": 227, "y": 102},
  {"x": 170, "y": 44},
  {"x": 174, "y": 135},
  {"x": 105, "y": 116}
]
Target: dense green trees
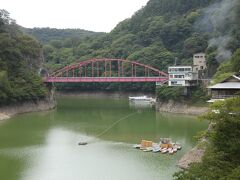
[
  {"x": 156, "y": 34},
  {"x": 45, "y": 35},
  {"x": 228, "y": 68},
  {"x": 222, "y": 158},
  {"x": 20, "y": 59}
]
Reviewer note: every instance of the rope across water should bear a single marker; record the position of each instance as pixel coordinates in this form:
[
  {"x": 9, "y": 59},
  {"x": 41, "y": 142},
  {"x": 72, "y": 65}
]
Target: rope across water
[{"x": 107, "y": 129}]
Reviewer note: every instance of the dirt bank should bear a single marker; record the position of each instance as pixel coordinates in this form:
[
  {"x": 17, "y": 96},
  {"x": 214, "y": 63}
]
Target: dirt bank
[
  {"x": 176, "y": 107},
  {"x": 18, "y": 108}
]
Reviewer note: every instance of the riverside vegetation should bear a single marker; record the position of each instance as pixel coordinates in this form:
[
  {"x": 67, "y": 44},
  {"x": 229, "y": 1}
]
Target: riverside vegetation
[
  {"x": 20, "y": 59},
  {"x": 222, "y": 158}
]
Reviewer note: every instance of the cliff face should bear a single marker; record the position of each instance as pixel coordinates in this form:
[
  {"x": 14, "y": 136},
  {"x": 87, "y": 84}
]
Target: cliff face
[
  {"x": 48, "y": 103},
  {"x": 181, "y": 108}
]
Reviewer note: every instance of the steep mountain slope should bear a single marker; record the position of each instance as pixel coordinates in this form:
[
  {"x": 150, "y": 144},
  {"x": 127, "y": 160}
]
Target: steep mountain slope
[
  {"x": 160, "y": 32},
  {"x": 20, "y": 60},
  {"x": 45, "y": 35}
]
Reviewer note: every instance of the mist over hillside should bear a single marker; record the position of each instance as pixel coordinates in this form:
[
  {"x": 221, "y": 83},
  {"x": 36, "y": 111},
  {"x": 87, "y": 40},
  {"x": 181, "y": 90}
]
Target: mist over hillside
[{"x": 157, "y": 34}]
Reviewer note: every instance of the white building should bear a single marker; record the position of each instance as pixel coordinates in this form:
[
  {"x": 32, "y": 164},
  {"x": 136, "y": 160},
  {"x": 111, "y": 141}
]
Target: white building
[{"x": 182, "y": 76}]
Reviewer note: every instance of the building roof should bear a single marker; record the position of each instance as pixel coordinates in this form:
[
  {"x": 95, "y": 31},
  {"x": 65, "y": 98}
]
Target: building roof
[
  {"x": 226, "y": 85},
  {"x": 235, "y": 76}
]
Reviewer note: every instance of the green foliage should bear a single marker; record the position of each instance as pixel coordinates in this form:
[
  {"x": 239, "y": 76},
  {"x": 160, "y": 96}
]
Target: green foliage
[
  {"x": 19, "y": 62},
  {"x": 235, "y": 61},
  {"x": 154, "y": 35},
  {"x": 199, "y": 95},
  {"x": 45, "y": 35},
  {"x": 165, "y": 93},
  {"x": 222, "y": 158},
  {"x": 228, "y": 68},
  {"x": 196, "y": 95},
  {"x": 194, "y": 44}
]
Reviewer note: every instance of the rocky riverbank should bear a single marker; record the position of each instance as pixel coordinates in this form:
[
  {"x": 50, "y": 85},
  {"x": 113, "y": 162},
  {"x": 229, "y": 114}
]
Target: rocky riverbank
[
  {"x": 193, "y": 156},
  {"x": 8, "y": 111},
  {"x": 181, "y": 108}
]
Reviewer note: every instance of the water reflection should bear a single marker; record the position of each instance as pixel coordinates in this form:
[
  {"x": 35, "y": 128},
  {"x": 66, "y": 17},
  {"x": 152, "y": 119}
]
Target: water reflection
[{"x": 140, "y": 104}]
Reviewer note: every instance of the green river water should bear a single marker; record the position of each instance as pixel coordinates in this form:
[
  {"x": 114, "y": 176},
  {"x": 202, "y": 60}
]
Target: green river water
[{"x": 44, "y": 145}]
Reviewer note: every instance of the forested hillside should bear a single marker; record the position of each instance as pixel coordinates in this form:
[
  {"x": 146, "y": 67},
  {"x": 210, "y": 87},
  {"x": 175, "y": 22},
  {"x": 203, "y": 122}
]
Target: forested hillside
[
  {"x": 45, "y": 35},
  {"x": 160, "y": 32},
  {"x": 221, "y": 141},
  {"x": 20, "y": 59}
]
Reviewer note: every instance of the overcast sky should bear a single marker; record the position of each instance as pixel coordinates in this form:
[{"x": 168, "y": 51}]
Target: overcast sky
[{"x": 94, "y": 15}]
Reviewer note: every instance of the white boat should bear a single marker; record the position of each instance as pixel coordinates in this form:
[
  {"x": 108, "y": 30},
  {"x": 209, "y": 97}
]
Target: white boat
[
  {"x": 140, "y": 98},
  {"x": 178, "y": 146},
  {"x": 137, "y": 146},
  {"x": 174, "y": 149},
  {"x": 156, "y": 149},
  {"x": 164, "y": 150},
  {"x": 170, "y": 150}
]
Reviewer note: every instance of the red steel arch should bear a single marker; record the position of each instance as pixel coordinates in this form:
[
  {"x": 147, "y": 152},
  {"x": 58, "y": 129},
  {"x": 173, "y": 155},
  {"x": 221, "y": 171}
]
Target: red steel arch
[{"x": 79, "y": 72}]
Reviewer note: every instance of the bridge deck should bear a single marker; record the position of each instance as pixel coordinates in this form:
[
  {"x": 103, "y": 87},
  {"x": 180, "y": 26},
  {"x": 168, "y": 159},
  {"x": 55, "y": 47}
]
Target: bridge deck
[{"x": 103, "y": 79}]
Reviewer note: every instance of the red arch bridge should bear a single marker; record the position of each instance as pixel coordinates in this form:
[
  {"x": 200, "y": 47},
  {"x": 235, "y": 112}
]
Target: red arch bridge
[{"x": 107, "y": 70}]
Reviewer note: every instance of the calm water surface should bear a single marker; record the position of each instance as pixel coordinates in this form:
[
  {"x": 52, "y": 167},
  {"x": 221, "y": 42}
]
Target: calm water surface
[{"x": 43, "y": 146}]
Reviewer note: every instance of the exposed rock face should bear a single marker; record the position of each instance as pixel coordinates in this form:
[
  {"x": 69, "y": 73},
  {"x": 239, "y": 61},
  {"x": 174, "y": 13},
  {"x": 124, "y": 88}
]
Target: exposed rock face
[
  {"x": 175, "y": 107},
  {"x": 3, "y": 116},
  {"x": 195, "y": 155},
  {"x": 8, "y": 111}
]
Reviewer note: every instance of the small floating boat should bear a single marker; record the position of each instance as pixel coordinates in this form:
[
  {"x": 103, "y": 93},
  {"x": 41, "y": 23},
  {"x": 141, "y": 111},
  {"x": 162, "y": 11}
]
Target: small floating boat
[
  {"x": 141, "y": 98},
  {"x": 164, "y": 150},
  {"x": 82, "y": 143},
  {"x": 170, "y": 151},
  {"x": 156, "y": 149},
  {"x": 137, "y": 146},
  {"x": 174, "y": 149},
  {"x": 178, "y": 146},
  {"x": 148, "y": 149}
]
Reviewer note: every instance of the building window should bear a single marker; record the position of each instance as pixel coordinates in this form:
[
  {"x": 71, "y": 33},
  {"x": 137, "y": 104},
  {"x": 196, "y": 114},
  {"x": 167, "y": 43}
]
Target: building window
[
  {"x": 179, "y": 76},
  {"x": 187, "y": 69},
  {"x": 171, "y": 76},
  {"x": 201, "y": 67}
]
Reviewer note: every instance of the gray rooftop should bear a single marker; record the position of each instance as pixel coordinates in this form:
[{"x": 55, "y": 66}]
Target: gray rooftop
[{"x": 226, "y": 85}]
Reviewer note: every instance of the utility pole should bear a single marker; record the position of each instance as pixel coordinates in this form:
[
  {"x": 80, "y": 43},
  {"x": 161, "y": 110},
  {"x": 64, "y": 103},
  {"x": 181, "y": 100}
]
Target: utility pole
[{"x": 175, "y": 61}]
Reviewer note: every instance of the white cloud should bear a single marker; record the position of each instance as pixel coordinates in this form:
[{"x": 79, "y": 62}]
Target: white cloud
[{"x": 95, "y": 15}]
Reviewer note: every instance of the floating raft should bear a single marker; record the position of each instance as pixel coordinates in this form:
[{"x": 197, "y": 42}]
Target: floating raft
[{"x": 164, "y": 146}]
